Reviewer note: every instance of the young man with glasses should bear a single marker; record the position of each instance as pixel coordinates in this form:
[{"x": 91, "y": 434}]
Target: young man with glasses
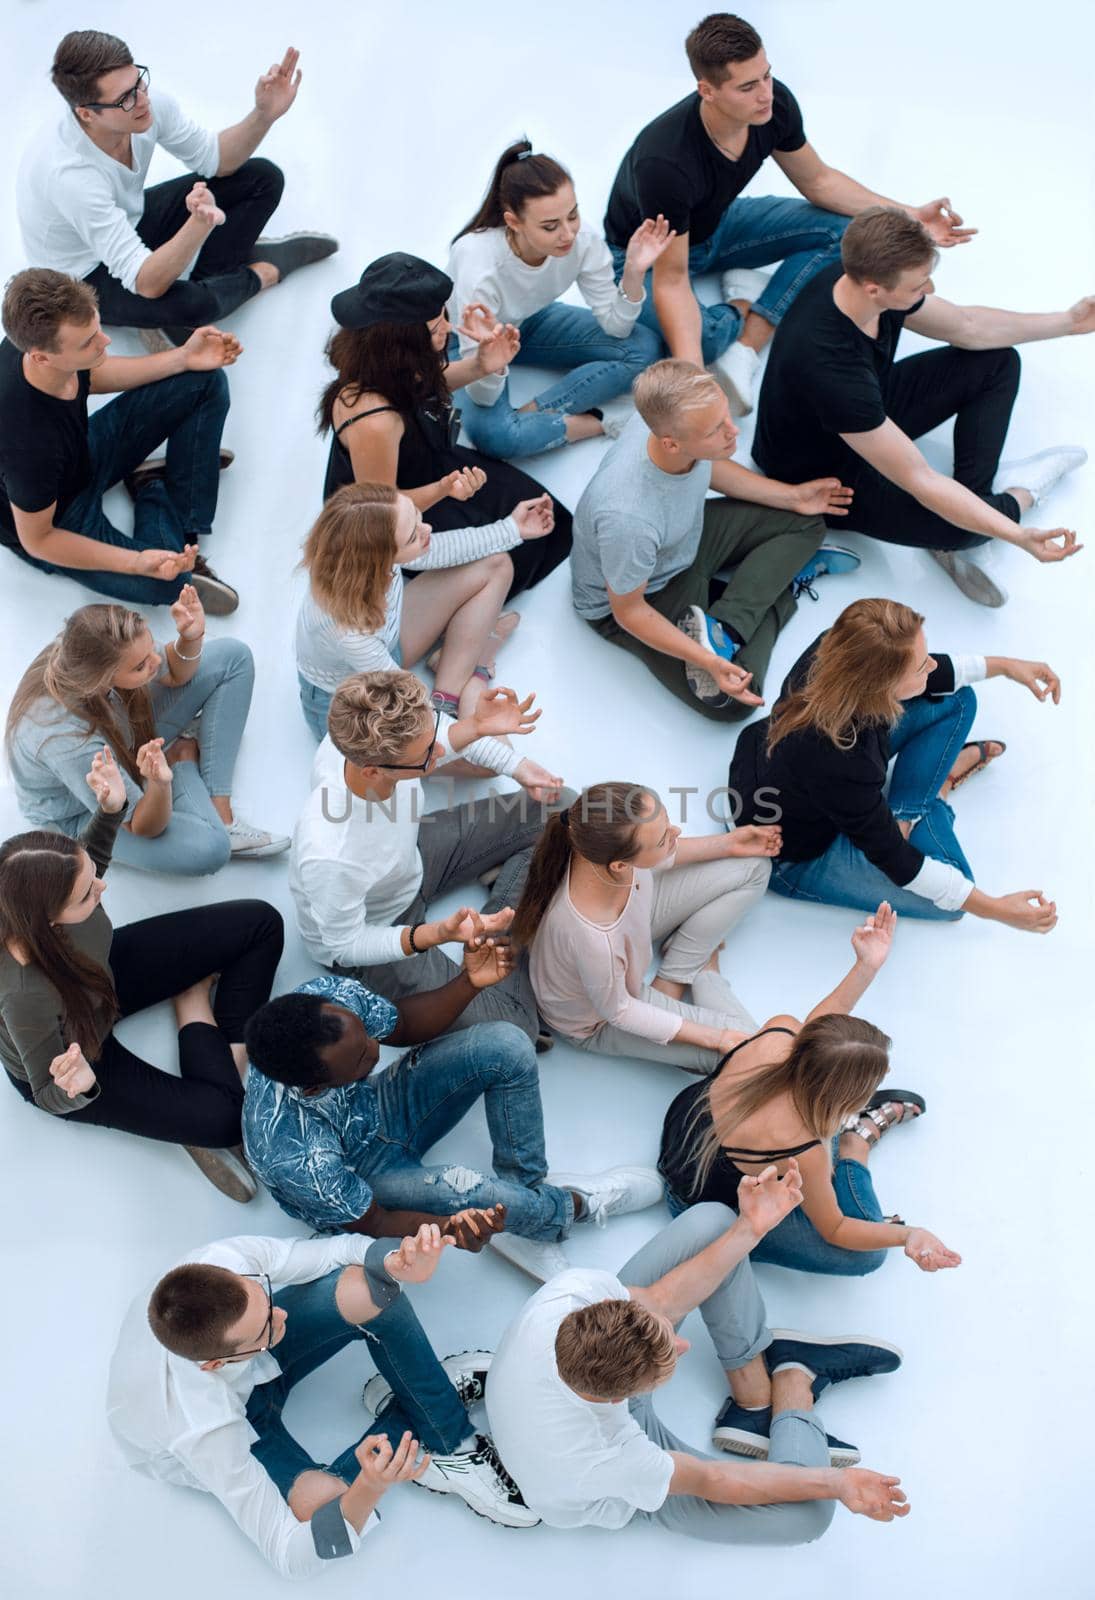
[
  {"x": 202, "y": 1372},
  {"x": 177, "y": 255}
]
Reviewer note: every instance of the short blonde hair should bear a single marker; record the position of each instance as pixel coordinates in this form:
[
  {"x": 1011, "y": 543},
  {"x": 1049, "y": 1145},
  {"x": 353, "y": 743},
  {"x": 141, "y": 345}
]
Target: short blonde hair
[
  {"x": 668, "y": 389},
  {"x": 614, "y": 1349},
  {"x": 374, "y": 716}
]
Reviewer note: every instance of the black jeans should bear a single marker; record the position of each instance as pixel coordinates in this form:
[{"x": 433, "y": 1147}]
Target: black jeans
[
  {"x": 154, "y": 960},
  {"x": 220, "y": 280},
  {"x": 975, "y": 387}
]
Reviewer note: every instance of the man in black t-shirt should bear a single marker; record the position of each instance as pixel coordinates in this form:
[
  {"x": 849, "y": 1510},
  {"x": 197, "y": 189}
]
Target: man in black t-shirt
[
  {"x": 56, "y": 463},
  {"x": 835, "y": 402},
  {"x": 691, "y": 164}
]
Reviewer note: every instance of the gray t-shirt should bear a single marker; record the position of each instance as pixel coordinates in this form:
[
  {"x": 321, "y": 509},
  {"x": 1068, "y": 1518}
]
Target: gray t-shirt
[{"x": 634, "y": 524}]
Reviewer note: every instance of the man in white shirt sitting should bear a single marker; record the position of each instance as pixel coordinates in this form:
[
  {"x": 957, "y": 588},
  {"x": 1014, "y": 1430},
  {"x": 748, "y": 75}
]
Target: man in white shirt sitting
[
  {"x": 569, "y": 1392},
  {"x": 178, "y": 255},
  {"x": 202, "y": 1371},
  {"x": 367, "y": 860}
]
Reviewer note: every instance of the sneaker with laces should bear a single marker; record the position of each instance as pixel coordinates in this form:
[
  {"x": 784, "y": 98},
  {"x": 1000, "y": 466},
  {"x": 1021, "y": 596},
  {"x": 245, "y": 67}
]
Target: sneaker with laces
[
  {"x": 611, "y": 1193},
  {"x": 709, "y": 634},
  {"x": 227, "y": 1170},
  {"x": 218, "y": 598},
  {"x": 745, "y": 1433},
  {"x": 1041, "y": 472},
  {"x": 736, "y": 372},
  {"x": 247, "y": 840},
  {"x": 467, "y": 1372},
  {"x": 482, "y": 1482},
  {"x": 969, "y": 571},
  {"x": 294, "y": 250},
  {"x": 743, "y": 283},
  {"x": 830, "y": 560},
  {"x": 540, "y": 1258},
  {"x": 832, "y": 1358}
]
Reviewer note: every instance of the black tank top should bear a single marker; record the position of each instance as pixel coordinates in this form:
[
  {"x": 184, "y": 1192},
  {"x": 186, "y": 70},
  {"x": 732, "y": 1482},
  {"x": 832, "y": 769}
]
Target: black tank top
[{"x": 687, "y": 1124}]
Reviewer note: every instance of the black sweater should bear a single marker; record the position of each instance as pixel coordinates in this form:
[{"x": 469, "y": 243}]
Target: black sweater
[{"x": 823, "y": 791}]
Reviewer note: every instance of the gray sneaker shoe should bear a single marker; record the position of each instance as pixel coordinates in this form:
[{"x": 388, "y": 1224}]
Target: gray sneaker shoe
[
  {"x": 218, "y": 598},
  {"x": 227, "y": 1170},
  {"x": 294, "y": 250},
  {"x": 968, "y": 572},
  {"x": 247, "y": 840},
  {"x": 694, "y": 624}
]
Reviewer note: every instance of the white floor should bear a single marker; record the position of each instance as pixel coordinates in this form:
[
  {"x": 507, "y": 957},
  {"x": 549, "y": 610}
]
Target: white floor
[{"x": 986, "y": 1422}]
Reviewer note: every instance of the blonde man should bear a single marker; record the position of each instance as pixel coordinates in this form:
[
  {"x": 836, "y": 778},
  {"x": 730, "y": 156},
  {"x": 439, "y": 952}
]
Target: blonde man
[{"x": 648, "y": 568}]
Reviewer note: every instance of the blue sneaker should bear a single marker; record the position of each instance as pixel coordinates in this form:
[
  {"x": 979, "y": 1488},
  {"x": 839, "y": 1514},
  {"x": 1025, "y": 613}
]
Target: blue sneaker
[
  {"x": 833, "y": 1357},
  {"x": 830, "y": 561},
  {"x": 709, "y": 634},
  {"x": 745, "y": 1433}
]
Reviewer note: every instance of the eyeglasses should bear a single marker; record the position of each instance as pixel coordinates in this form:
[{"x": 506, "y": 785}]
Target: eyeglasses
[
  {"x": 412, "y": 766},
  {"x": 124, "y": 102},
  {"x": 268, "y": 1333}
]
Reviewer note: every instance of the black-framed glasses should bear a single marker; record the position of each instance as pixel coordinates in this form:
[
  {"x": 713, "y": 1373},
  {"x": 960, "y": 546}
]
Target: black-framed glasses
[
  {"x": 412, "y": 766},
  {"x": 268, "y": 1334},
  {"x": 124, "y": 102}
]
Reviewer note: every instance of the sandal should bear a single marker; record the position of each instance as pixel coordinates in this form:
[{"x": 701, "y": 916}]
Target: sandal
[
  {"x": 983, "y": 759},
  {"x": 872, "y": 1122}
]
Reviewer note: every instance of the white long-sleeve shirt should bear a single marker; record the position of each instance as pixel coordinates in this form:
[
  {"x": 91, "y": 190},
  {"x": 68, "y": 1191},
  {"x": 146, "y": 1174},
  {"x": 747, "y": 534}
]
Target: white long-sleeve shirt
[
  {"x": 175, "y": 1422},
  {"x": 78, "y": 207},
  {"x": 483, "y": 267}
]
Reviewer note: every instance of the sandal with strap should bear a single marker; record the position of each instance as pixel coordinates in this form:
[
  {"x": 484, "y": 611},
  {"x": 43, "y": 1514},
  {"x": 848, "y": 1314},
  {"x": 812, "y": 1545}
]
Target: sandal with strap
[
  {"x": 872, "y": 1122},
  {"x": 983, "y": 759}
]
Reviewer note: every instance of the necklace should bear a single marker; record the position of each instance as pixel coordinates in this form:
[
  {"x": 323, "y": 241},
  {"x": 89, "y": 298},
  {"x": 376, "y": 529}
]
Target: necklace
[
  {"x": 606, "y": 877},
  {"x": 731, "y": 155}
]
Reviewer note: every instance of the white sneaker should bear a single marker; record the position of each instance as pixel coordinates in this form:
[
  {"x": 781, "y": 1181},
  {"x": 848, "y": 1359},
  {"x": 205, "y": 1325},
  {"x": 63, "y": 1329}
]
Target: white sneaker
[
  {"x": 247, "y": 840},
  {"x": 467, "y": 1372},
  {"x": 482, "y": 1482},
  {"x": 614, "y": 421},
  {"x": 968, "y": 569},
  {"x": 735, "y": 372},
  {"x": 743, "y": 283},
  {"x": 1041, "y": 472},
  {"x": 540, "y": 1258},
  {"x": 611, "y": 1193}
]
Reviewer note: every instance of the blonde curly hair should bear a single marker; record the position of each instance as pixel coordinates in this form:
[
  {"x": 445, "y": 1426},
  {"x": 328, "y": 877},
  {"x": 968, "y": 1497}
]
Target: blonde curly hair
[{"x": 374, "y": 716}]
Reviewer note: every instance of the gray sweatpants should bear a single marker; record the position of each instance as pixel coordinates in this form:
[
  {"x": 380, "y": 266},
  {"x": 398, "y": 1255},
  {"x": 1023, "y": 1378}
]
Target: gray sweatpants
[{"x": 735, "y": 1318}]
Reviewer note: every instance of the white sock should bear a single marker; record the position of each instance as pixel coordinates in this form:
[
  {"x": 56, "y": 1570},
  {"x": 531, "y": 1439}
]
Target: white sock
[{"x": 794, "y": 1366}]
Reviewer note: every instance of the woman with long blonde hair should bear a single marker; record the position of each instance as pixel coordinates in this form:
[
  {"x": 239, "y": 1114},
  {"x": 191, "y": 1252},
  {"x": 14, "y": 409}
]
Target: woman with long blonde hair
[
  {"x": 359, "y": 616},
  {"x": 866, "y": 692},
  {"x": 104, "y": 684}
]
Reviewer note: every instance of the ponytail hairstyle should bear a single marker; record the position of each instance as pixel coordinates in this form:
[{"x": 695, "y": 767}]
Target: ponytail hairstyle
[
  {"x": 75, "y": 672},
  {"x": 37, "y": 873},
  {"x": 852, "y": 679},
  {"x": 600, "y": 827},
  {"x": 518, "y": 178},
  {"x": 834, "y": 1066},
  {"x": 350, "y": 553}
]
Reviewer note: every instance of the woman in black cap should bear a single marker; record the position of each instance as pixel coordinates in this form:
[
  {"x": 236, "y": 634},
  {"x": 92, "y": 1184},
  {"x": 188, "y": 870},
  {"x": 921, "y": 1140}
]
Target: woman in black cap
[{"x": 391, "y": 415}]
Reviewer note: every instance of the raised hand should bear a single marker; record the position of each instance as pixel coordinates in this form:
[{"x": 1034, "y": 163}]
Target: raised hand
[
  {"x": 419, "y": 1254},
  {"x": 188, "y": 613},
  {"x": 497, "y": 342},
  {"x": 1082, "y": 315},
  {"x": 872, "y": 1494},
  {"x": 534, "y": 518},
  {"x": 1028, "y": 910},
  {"x": 872, "y": 940},
  {"x": 277, "y": 88},
  {"x": 72, "y": 1073},
  {"x": 733, "y": 680},
  {"x": 473, "y": 1229},
  {"x": 463, "y": 482},
  {"x": 930, "y": 1253},
  {"x": 648, "y": 241},
  {"x": 201, "y": 204},
  {"x": 106, "y": 782},
  {"x": 488, "y": 962},
  {"x": 209, "y": 348},
  {"x": 382, "y": 1467},
  {"x": 1040, "y": 679},
  {"x": 943, "y": 223},
  {"x": 754, "y": 839},
  {"x": 1047, "y": 544},
  {"x": 166, "y": 564},
  {"x": 152, "y": 764},
  {"x": 540, "y": 784},
  {"x": 823, "y": 497},
  {"x": 764, "y": 1201},
  {"x": 498, "y": 711}
]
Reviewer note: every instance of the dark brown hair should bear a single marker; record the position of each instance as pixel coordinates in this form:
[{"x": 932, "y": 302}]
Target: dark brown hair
[
  {"x": 37, "y": 873},
  {"x": 395, "y": 361},
  {"x": 613, "y": 1349},
  {"x": 518, "y": 177},
  {"x": 192, "y": 1309},
  {"x": 881, "y": 243},
  {"x": 38, "y": 301},
  {"x": 81, "y": 59},
  {"x": 717, "y": 43}
]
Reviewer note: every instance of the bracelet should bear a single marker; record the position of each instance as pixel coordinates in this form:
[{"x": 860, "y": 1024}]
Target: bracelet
[
  {"x": 197, "y": 656},
  {"x": 414, "y": 929}
]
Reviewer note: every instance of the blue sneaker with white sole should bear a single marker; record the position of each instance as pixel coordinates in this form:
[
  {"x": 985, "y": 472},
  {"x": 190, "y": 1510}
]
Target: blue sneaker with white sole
[
  {"x": 830, "y": 560},
  {"x": 709, "y": 634},
  {"x": 745, "y": 1433},
  {"x": 832, "y": 1358}
]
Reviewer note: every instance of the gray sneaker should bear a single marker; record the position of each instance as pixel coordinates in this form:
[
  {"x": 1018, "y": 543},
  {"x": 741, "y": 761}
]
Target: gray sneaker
[
  {"x": 295, "y": 250},
  {"x": 218, "y": 598},
  {"x": 247, "y": 840},
  {"x": 227, "y": 1170},
  {"x": 970, "y": 575}
]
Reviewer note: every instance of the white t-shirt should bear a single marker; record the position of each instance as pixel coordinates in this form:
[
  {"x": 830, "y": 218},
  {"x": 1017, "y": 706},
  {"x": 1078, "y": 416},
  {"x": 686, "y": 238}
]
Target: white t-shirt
[
  {"x": 78, "y": 207},
  {"x": 175, "y": 1422},
  {"x": 483, "y": 267},
  {"x": 579, "y": 1463}
]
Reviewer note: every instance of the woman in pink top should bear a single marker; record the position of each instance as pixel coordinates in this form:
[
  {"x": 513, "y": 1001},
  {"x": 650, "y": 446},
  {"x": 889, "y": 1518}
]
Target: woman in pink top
[{"x": 610, "y": 878}]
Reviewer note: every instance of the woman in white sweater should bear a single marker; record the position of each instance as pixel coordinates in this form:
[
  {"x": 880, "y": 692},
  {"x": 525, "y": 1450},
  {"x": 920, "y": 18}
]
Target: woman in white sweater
[
  {"x": 358, "y": 617},
  {"x": 524, "y": 248},
  {"x": 610, "y": 879}
]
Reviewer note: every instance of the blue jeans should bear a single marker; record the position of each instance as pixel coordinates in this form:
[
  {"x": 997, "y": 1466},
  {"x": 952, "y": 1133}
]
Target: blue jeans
[
  {"x": 187, "y": 411},
  {"x": 315, "y": 703},
  {"x": 753, "y": 233},
  {"x": 795, "y": 1242},
  {"x": 926, "y": 741},
  {"x": 599, "y": 367},
  {"x": 427, "y": 1092},
  {"x": 423, "y": 1400}
]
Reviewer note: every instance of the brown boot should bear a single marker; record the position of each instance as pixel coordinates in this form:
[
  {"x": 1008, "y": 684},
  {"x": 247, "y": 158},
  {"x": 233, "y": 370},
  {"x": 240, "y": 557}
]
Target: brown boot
[{"x": 227, "y": 1170}]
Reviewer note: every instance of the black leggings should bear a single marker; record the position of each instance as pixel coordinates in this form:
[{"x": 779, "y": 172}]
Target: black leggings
[
  {"x": 221, "y": 280},
  {"x": 975, "y": 387},
  {"x": 155, "y": 960}
]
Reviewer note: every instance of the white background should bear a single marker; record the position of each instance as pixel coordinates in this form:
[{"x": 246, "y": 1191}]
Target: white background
[{"x": 400, "y": 115}]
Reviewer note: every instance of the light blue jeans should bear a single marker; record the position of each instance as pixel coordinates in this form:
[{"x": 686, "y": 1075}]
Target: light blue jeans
[
  {"x": 926, "y": 740},
  {"x": 753, "y": 233},
  {"x": 599, "y": 367},
  {"x": 315, "y": 703}
]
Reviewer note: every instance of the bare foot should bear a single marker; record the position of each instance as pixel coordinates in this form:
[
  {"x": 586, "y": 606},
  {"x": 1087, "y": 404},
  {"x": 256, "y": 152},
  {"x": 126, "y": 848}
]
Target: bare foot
[
  {"x": 195, "y": 1004},
  {"x": 713, "y": 960},
  {"x": 265, "y": 272},
  {"x": 968, "y": 758},
  {"x": 505, "y": 626}
]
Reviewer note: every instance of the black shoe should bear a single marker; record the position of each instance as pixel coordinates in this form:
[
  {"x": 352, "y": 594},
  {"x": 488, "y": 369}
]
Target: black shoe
[
  {"x": 833, "y": 1358},
  {"x": 295, "y": 250},
  {"x": 745, "y": 1433},
  {"x": 545, "y": 1041},
  {"x": 218, "y": 598},
  {"x": 156, "y": 467}
]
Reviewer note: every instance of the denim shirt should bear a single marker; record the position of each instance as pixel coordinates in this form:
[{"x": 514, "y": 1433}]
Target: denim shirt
[{"x": 306, "y": 1148}]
